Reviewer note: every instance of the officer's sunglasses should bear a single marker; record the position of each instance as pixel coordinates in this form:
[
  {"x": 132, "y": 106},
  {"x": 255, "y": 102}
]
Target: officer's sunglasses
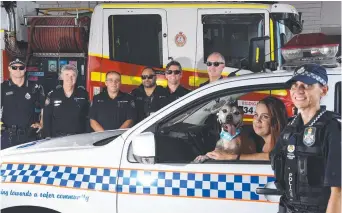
[
  {"x": 143, "y": 77},
  {"x": 216, "y": 63},
  {"x": 17, "y": 67},
  {"x": 175, "y": 72}
]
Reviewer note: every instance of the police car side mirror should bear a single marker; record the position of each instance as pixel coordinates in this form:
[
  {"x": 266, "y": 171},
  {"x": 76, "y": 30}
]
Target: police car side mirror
[{"x": 144, "y": 148}]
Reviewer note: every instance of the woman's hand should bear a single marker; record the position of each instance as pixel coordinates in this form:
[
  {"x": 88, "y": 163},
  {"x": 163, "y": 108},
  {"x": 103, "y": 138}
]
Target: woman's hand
[{"x": 221, "y": 155}]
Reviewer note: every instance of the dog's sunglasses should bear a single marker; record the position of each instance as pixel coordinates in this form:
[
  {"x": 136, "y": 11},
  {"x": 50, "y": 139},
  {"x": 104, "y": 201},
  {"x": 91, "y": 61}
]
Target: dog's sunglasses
[
  {"x": 17, "y": 67},
  {"x": 175, "y": 72},
  {"x": 216, "y": 63},
  {"x": 143, "y": 77}
]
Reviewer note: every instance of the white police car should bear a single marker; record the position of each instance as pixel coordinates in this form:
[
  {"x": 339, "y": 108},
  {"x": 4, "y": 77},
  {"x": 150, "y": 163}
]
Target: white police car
[{"x": 148, "y": 167}]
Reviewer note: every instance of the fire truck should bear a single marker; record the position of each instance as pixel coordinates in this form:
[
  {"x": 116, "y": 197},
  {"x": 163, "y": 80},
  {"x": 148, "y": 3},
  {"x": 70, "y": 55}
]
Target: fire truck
[{"x": 126, "y": 37}]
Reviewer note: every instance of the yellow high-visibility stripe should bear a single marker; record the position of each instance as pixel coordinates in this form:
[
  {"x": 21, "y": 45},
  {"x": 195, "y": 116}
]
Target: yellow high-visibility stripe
[
  {"x": 224, "y": 73},
  {"x": 125, "y": 79},
  {"x": 248, "y": 119},
  {"x": 272, "y": 39},
  {"x": 95, "y": 76},
  {"x": 278, "y": 92},
  {"x": 195, "y": 81},
  {"x": 257, "y": 55},
  {"x": 1, "y": 30},
  {"x": 98, "y": 55},
  {"x": 179, "y": 5}
]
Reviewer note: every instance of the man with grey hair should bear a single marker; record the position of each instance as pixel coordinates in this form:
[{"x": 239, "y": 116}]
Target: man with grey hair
[
  {"x": 66, "y": 106},
  {"x": 215, "y": 65}
]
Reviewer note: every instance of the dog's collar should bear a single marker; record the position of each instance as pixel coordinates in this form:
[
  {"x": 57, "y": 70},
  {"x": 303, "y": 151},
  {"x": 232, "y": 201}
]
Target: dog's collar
[{"x": 227, "y": 136}]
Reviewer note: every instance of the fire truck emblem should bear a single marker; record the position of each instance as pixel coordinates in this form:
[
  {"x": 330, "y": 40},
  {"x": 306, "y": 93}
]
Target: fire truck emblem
[
  {"x": 180, "y": 39},
  {"x": 309, "y": 136}
]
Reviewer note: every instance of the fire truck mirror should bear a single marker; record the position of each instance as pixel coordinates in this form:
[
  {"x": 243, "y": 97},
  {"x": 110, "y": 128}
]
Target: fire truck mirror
[{"x": 257, "y": 53}]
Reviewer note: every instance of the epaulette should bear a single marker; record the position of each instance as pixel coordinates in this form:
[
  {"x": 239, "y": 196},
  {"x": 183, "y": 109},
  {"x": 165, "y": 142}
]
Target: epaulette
[
  {"x": 81, "y": 87},
  {"x": 59, "y": 86},
  {"x": 337, "y": 117},
  {"x": 50, "y": 92}
]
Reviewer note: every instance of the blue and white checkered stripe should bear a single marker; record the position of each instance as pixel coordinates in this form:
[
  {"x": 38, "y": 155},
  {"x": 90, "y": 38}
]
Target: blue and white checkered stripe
[
  {"x": 228, "y": 186},
  {"x": 66, "y": 176},
  {"x": 188, "y": 184}
]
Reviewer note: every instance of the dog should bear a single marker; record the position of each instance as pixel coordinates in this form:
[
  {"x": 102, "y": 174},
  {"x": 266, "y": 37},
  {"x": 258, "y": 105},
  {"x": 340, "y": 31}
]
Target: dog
[{"x": 230, "y": 117}]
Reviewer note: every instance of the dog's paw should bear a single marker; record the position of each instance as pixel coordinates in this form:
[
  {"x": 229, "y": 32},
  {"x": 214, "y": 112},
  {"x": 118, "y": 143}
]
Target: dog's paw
[{"x": 201, "y": 159}]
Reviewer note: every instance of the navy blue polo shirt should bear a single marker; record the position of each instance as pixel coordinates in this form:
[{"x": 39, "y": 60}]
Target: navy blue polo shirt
[
  {"x": 112, "y": 113},
  {"x": 18, "y": 103}
]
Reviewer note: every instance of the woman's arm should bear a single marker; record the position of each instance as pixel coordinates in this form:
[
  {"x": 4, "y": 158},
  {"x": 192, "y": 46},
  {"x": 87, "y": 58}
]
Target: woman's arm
[
  {"x": 221, "y": 155},
  {"x": 334, "y": 205}
]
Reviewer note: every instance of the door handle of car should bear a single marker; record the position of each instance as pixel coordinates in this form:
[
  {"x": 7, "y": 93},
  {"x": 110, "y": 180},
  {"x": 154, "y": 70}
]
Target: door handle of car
[{"x": 268, "y": 191}]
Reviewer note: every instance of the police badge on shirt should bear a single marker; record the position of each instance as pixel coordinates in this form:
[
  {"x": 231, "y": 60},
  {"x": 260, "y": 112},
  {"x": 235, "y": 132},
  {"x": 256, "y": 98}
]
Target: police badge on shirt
[{"x": 309, "y": 136}]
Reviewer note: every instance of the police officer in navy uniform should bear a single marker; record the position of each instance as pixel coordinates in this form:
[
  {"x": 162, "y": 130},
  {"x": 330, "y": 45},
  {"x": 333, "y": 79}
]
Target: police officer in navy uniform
[
  {"x": 149, "y": 96},
  {"x": 112, "y": 109},
  {"x": 66, "y": 107},
  {"x": 307, "y": 155},
  {"x": 20, "y": 99},
  {"x": 173, "y": 74},
  {"x": 215, "y": 65}
]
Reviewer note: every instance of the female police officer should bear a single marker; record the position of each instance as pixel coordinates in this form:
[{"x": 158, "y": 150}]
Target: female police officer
[
  {"x": 66, "y": 107},
  {"x": 307, "y": 156}
]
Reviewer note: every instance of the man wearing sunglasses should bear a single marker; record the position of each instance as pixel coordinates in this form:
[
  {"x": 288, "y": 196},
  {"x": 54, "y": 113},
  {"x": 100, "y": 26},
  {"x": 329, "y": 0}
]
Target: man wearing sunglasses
[
  {"x": 66, "y": 106},
  {"x": 173, "y": 74},
  {"x": 112, "y": 109},
  {"x": 307, "y": 155},
  {"x": 19, "y": 100},
  {"x": 215, "y": 65},
  {"x": 149, "y": 96}
]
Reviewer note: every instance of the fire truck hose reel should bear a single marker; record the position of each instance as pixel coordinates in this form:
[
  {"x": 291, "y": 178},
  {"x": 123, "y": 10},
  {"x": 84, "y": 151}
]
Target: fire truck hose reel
[{"x": 59, "y": 35}]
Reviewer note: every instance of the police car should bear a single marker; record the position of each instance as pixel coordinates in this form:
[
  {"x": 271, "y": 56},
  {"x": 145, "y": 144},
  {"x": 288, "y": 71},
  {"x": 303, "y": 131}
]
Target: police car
[{"x": 149, "y": 167}]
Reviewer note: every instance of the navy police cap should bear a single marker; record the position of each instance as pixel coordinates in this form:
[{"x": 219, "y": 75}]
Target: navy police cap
[
  {"x": 309, "y": 74},
  {"x": 16, "y": 61}
]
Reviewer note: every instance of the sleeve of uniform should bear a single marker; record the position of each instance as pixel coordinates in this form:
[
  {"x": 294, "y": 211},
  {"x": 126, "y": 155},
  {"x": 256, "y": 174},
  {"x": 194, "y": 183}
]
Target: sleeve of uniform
[
  {"x": 41, "y": 96},
  {"x": 93, "y": 108},
  {"x": 276, "y": 150},
  {"x": 47, "y": 115},
  {"x": 132, "y": 112},
  {"x": 333, "y": 159},
  {"x": 85, "y": 112},
  {"x": 2, "y": 99}
]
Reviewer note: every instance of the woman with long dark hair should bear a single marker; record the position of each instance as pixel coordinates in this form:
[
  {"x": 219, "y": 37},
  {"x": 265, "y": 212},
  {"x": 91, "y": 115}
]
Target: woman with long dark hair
[{"x": 269, "y": 120}]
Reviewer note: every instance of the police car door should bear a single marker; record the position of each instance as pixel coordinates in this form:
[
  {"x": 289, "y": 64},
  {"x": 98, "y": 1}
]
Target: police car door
[{"x": 171, "y": 182}]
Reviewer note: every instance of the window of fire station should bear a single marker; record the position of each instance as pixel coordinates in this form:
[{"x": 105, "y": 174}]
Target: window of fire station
[
  {"x": 136, "y": 39},
  {"x": 230, "y": 35}
]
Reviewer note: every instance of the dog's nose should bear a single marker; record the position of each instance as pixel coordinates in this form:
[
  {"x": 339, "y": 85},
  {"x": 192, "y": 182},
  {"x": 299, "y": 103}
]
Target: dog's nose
[{"x": 229, "y": 117}]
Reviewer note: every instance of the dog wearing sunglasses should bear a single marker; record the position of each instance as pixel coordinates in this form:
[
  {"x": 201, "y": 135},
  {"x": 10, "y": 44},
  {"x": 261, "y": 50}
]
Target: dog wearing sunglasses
[{"x": 230, "y": 117}]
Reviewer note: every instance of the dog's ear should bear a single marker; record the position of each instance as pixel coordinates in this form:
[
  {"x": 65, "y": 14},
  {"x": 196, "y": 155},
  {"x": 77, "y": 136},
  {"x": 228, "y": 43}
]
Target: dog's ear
[
  {"x": 232, "y": 102},
  {"x": 241, "y": 110},
  {"x": 214, "y": 109}
]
